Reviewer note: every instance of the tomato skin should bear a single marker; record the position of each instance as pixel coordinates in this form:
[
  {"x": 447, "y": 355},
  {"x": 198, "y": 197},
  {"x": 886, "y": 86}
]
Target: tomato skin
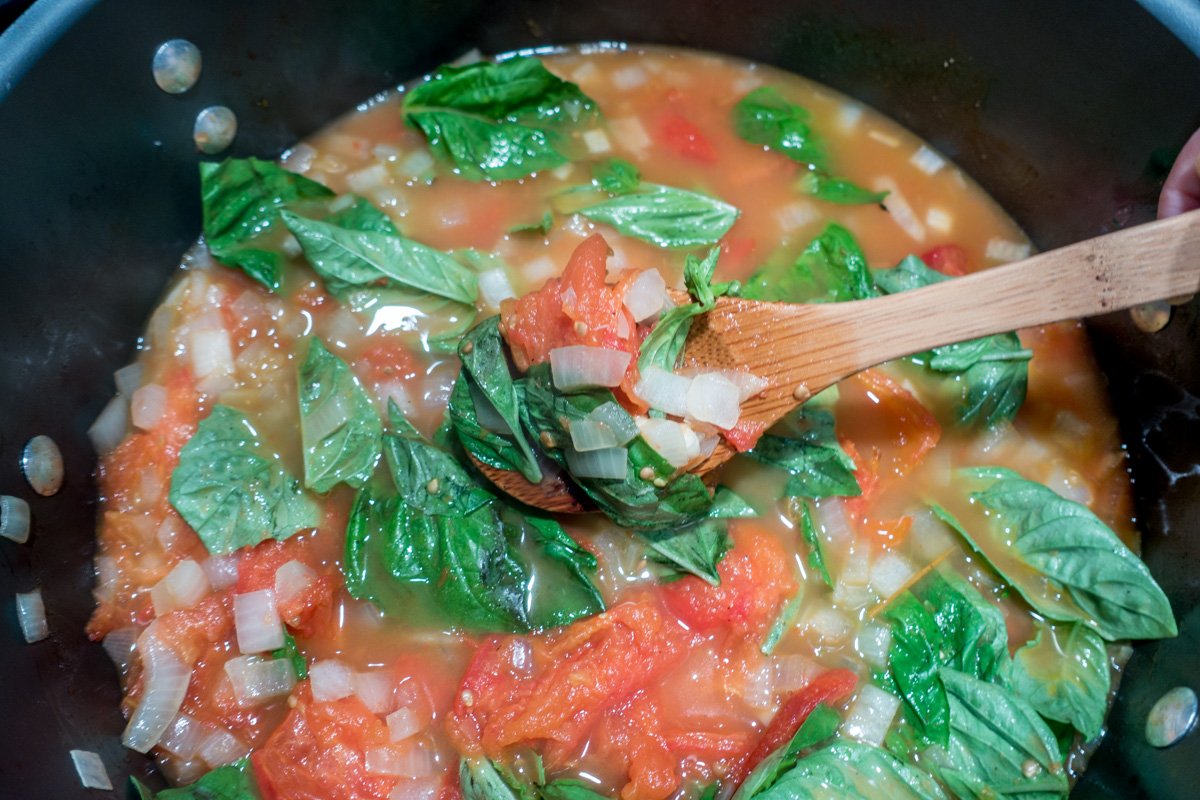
[
  {"x": 631, "y": 733},
  {"x": 318, "y": 753},
  {"x": 830, "y": 686},
  {"x": 755, "y": 581},
  {"x": 948, "y": 259},
  {"x": 681, "y": 136},
  {"x": 745, "y": 434},
  {"x": 581, "y": 671}
]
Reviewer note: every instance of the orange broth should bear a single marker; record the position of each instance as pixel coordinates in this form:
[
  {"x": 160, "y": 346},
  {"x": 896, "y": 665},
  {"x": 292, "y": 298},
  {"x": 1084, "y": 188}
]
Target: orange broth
[{"x": 681, "y": 693}]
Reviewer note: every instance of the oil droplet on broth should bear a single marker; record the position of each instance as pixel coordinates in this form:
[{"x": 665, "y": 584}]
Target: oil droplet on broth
[
  {"x": 215, "y": 128},
  {"x": 176, "y": 66}
]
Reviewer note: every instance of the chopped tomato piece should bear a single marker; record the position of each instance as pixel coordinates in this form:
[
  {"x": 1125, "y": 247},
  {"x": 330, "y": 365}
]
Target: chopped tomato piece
[
  {"x": 309, "y": 609},
  {"x": 948, "y": 259},
  {"x": 681, "y": 136},
  {"x": 745, "y": 434},
  {"x": 578, "y": 308},
  {"x": 319, "y": 753},
  {"x": 583, "y": 670},
  {"x": 755, "y": 580},
  {"x": 736, "y": 252},
  {"x": 630, "y": 734},
  {"x": 827, "y": 687},
  {"x": 387, "y": 359}
]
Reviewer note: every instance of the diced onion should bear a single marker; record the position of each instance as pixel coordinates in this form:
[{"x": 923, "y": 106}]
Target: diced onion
[
  {"x": 164, "y": 686},
  {"x": 707, "y": 444},
  {"x": 610, "y": 463},
  {"x": 183, "y": 587},
  {"x": 793, "y": 673},
  {"x": 758, "y": 687},
  {"x": 222, "y": 571},
  {"x": 870, "y": 715},
  {"x": 257, "y": 622},
  {"x": 147, "y": 406},
  {"x": 109, "y": 428},
  {"x": 298, "y": 159},
  {"x": 644, "y": 297},
  {"x": 539, "y": 270},
  {"x": 211, "y": 352},
  {"x": 627, "y": 78},
  {"x": 221, "y": 747},
  {"x": 581, "y": 366},
  {"x": 932, "y": 536},
  {"x": 617, "y": 420},
  {"x": 852, "y": 589},
  {"x": 848, "y": 116},
  {"x": 630, "y": 133},
  {"x": 183, "y": 737},
  {"x": 883, "y": 138},
  {"x": 254, "y": 679},
  {"x": 119, "y": 644},
  {"x": 368, "y": 178},
  {"x": 713, "y": 398},
  {"x": 487, "y": 414},
  {"x": 889, "y": 574},
  {"x": 830, "y": 625},
  {"x": 596, "y": 141},
  {"x": 91, "y": 771},
  {"x": 674, "y": 441},
  {"x": 796, "y": 215},
  {"x": 939, "y": 219},
  {"x": 291, "y": 580},
  {"x": 664, "y": 391},
  {"x": 416, "y": 164},
  {"x": 31, "y": 613},
  {"x": 873, "y": 643},
  {"x": 331, "y": 680},
  {"x": 831, "y": 519},
  {"x": 407, "y": 762},
  {"x": 901, "y": 212},
  {"x": 494, "y": 287},
  {"x": 927, "y": 160},
  {"x": 1004, "y": 250},
  {"x": 128, "y": 378},
  {"x": 402, "y": 724},
  {"x": 376, "y": 690},
  {"x": 587, "y": 434},
  {"x": 14, "y": 519},
  {"x": 416, "y": 789},
  {"x": 748, "y": 384}
]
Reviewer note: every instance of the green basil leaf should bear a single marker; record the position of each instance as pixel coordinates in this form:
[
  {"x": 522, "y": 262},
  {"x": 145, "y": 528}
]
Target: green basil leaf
[
  {"x": 231, "y": 494},
  {"x": 1064, "y": 674},
  {"x": 821, "y": 724},
  {"x": 542, "y": 226},
  {"x": 485, "y": 361},
  {"x": 994, "y": 369},
  {"x": 634, "y": 501},
  {"x": 812, "y": 538},
  {"x": 811, "y": 455},
  {"x": 427, "y": 477},
  {"x": 666, "y": 216},
  {"x": 914, "y": 659},
  {"x": 490, "y": 448},
  {"x": 356, "y": 257},
  {"x": 241, "y": 200},
  {"x": 841, "y": 191},
  {"x": 831, "y": 269},
  {"x": 764, "y": 117},
  {"x": 1064, "y": 561},
  {"x": 852, "y": 771},
  {"x": 784, "y": 621},
  {"x": 479, "y": 779},
  {"x": 973, "y": 632},
  {"x": 341, "y": 433},
  {"x": 232, "y": 782},
  {"x": 560, "y": 602},
  {"x": 291, "y": 651},
  {"x": 694, "y": 549},
  {"x": 999, "y": 746},
  {"x": 496, "y": 121},
  {"x": 616, "y": 176}
]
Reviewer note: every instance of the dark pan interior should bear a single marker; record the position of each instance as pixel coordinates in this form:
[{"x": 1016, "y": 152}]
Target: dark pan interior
[{"x": 1068, "y": 112}]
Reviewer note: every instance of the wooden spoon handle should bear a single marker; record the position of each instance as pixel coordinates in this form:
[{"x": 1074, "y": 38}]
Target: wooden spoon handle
[{"x": 1113, "y": 272}]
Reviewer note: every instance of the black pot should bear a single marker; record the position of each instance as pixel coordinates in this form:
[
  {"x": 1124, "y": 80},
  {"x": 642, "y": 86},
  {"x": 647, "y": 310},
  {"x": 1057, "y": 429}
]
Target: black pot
[{"x": 1068, "y": 112}]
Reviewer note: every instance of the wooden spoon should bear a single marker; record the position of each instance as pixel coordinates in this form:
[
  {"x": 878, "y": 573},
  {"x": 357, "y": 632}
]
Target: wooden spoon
[{"x": 801, "y": 349}]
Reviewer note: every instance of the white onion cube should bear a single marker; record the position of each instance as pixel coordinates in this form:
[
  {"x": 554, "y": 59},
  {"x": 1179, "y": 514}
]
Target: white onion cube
[
  {"x": 617, "y": 420},
  {"x": 331, "y": 680},
  {"x": 663, "y": 391},
  {"x": 183, "y": 587},
  {"x": 376, "y": 690},
  {"x": 674, "y": 441},
  {"x": 581, "y": 366},
  {"x": 91, "y": 771},
  {"x": 291, "y": 580},
  {"x": 714, "y": 399},
  {"x": 596, "y": 141},
  {"x": 256, "y": 619},
  {"x": 222, "y": 747},
  {"x": 31, "y": 613},
  {"x": 644, "y": 297},
  {"x": 611, "y": 463},
  {"x": 255, "y": 680},
  {"x": 494, "y": 287},
  {"x": 402, "y": 724},
  {"x": 890, "y": 573},
  {"x": 416, "y": 789},
  {"x": 147, "y": 406},
  {"x": 587, "y": 434},
  {"x": 870, "y": 715}
]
